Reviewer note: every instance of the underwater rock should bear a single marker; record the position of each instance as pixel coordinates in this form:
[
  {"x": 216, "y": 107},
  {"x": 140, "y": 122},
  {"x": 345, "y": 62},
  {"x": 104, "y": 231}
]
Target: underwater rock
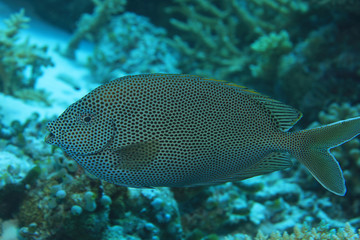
[
  {"x": 12, "y": 168},
  {"x": 86, "y": 226}
]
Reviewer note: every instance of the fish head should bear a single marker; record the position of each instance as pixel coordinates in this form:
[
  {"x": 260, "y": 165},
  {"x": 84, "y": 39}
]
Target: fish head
[{"x": 84, "y": 128}]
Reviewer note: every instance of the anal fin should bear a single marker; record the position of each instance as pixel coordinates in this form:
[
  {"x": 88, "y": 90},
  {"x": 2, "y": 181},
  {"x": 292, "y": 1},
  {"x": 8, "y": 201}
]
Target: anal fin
[{"x": 272, "y": 162}]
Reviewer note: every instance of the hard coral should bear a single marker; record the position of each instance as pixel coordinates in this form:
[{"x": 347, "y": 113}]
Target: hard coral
[
  {"x": 21, "y": 62},
  {"x": 131, "y": 44},
  {"x": 293, "y": 50},
  {"x": 219, "y": 35},
  {"x": 90, "y": 24},
  {"x": 305, "y": 232}
]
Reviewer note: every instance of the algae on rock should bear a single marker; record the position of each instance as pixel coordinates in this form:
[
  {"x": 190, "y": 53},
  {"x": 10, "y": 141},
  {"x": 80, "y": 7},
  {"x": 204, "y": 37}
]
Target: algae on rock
[{"x": 21, "y": 62}]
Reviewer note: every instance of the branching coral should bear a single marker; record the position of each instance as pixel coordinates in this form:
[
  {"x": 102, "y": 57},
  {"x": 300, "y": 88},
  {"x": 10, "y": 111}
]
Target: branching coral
[
  {"x": 269, "y": 47},
  {"x": 219, "y": 34},
  {"x": 294, "y": 50},
  {"x": 90, "y": 24},
  {"x": 21, "y": 62}
]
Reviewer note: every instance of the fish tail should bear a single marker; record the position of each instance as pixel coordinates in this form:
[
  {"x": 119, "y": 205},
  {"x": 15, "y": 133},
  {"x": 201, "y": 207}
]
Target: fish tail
[{"x": 314, "y": 152}]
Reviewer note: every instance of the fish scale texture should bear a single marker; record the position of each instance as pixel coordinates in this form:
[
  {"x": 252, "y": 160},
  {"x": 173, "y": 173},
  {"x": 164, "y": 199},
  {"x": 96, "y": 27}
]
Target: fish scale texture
[{"x": 166, "y": 130}]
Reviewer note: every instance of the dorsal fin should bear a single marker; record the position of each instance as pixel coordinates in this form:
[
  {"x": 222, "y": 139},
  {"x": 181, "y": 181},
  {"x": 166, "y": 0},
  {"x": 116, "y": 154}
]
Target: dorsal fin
[
  {"x": 284, "y": 115},
  {"x": 233, "y": 85},
  {"x": 216, "y": 81}
]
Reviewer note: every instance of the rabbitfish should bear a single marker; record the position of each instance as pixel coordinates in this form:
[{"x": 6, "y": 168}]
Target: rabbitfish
[{"x": 173, "y": 130}]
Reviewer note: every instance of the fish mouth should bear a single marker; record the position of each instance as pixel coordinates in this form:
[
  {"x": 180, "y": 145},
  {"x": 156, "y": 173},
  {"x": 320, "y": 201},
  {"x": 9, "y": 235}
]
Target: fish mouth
[{"x": 50, "y": 138}]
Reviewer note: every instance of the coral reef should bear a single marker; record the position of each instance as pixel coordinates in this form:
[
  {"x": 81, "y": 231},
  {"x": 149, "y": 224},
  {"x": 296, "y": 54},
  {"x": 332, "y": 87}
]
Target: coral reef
[
  {"x": 126, "y": 43},
  {"x": 281, "y": 48},
  {"x": 89, "y": 24},
  {"x": 219, "y": 37},
  {"x": 131, "y": 44},
  {"x": 305, "y": 232},
  {"x": 264, "y": 203},
  {"x": 21, "y": 62}
]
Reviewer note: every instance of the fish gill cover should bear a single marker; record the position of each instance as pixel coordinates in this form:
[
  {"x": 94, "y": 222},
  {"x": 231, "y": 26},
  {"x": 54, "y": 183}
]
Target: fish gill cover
[{"x": 304, "y": 53}]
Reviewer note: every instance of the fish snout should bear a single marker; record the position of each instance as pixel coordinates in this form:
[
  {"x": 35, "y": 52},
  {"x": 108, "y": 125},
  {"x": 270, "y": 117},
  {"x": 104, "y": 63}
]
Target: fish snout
[{"x": 50, "y": 138}]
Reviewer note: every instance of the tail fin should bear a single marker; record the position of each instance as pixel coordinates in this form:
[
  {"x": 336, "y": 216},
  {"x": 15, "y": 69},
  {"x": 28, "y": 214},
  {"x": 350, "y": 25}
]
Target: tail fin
[{"x": 315, "y": 152}]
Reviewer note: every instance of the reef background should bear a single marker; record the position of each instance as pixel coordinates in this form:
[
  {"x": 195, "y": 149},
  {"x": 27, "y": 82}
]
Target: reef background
[{"x": 304, "y": 53}]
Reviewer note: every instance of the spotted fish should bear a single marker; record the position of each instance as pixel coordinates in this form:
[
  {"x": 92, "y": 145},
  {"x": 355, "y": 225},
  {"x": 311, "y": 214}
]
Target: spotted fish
[{"x": 174, "y": 130}]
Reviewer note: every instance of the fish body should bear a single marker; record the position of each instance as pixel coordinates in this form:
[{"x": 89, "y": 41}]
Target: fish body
[{"x": 177, "y": 130}]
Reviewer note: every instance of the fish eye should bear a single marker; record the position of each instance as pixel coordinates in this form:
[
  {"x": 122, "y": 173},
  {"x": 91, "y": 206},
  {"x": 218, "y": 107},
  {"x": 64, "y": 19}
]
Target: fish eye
[{"x": 86, "y": 117}]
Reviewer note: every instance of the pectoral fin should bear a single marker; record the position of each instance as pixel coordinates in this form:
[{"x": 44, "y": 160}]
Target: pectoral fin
[{"x": 137, "y": 155}]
